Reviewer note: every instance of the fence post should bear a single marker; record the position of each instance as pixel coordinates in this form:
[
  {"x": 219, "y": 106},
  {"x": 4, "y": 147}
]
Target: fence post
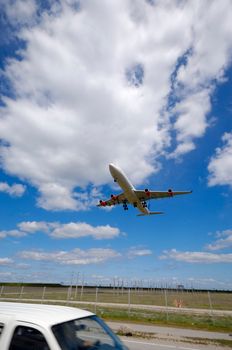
[
  {"x": 43, "y": 294},
  {"x": 68, "y": 295},
  {"x": 210, "y": 305},
  {"x": 2, "y": 288},
  {"x": 21, "y": 292},
  {"x": 96, "y": 295},
  {"x": 166, "y": 303},
  {"x": 114, "y": 285},
  {"x": 82, "y": 286},
  {"x": 76, "y": 292},
  {"x": 129, "y": 300}
]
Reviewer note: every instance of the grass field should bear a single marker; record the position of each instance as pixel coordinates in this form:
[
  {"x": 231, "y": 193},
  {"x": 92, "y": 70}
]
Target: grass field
[
  {"x": 178, "y": 299},
  {"x": 203, "y": 322},
  {"x": 174, "y": 298}
]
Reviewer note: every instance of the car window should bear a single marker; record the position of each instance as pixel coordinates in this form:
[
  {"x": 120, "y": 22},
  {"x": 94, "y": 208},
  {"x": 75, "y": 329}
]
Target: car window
[
  {"x": 28, "y": 338},
  {"x": 1, "y": 328},
  {"x": 86, "y": 333}
]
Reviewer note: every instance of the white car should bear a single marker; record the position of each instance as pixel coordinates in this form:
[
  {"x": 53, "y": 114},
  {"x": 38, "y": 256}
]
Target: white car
[{"x": 50, "y": 327}]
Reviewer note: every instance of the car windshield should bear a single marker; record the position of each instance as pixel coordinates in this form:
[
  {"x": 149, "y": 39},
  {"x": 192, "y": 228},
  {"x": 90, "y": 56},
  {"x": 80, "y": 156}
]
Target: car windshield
[{"x": 86, "y": 333}]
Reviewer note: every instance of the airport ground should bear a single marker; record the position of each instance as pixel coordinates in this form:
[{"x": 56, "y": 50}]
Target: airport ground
[{"x": 148, "y": 319}]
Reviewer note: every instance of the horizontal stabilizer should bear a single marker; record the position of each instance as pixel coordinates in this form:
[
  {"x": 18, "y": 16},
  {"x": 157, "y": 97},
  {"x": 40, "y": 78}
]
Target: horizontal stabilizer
[{"x": 151, "y": 213}]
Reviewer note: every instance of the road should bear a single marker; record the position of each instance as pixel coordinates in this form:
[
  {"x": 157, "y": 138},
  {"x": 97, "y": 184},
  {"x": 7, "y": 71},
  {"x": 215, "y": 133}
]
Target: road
[
  {"x": 136, "y": 344},
  {"x": 168, "y": 338},
  {"x": 167, "y": 332}
]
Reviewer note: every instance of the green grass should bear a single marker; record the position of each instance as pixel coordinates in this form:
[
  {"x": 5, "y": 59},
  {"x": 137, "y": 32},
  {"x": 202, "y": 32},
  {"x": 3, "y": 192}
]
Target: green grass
[
  {"x": 220, "y": 324},
  {"x": 172, "y": 319},
  {"x": 188, "y": 299}
]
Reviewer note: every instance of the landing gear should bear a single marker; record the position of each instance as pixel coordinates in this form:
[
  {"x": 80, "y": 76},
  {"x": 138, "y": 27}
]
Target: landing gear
[
  {"x": 135, "y": 204},
  {"x": 144, "y": 204},
  {"x": 125, "y": 207}
]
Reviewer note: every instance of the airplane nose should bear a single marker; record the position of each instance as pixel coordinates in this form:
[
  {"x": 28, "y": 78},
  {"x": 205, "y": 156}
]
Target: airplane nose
[{"x": 112, "y": 168}]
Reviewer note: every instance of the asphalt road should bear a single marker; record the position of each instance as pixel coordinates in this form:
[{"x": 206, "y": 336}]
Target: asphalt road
[
  {"x": 167, "y": 338},
  {"x": 136, "y": 344},
  {"x": 169, "y": 332}
]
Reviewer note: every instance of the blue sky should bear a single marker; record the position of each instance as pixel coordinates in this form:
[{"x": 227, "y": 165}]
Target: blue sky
[{"x": 145, "y": 85}]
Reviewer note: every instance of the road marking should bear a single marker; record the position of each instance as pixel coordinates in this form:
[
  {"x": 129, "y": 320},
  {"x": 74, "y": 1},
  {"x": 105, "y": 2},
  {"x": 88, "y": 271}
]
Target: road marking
[{"x": 157, "y": 344}]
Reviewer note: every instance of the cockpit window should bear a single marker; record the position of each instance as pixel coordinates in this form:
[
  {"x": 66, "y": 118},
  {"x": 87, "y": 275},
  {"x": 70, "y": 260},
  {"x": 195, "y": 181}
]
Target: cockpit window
[{"x": 86, "y": 333}]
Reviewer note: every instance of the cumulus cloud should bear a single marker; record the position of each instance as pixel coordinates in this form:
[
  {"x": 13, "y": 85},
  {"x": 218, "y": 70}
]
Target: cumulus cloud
[
  {"x": 19, "y": 12},
  {"x": 15, "y": 190},
  {"x": 12, "y": 233},
  {"x": 35, "y": 226},
  {"x": 196, "y": 257},
  {"x": 135, "y": 252},
  {"x": 74, "y": 257},
  {"x": 191, "y": 121},
  {"x": 79, "y": 256},
  {"x": 6, "y": 261},
  {"x": 61, "y": 231},
  {"x": 81, "y": 229},
  {"x": 6, "y": 276},
  {"x": 224, "y": 241},
  {"x": 101, "y": 77},
  {"x": 220, "y": 165}
]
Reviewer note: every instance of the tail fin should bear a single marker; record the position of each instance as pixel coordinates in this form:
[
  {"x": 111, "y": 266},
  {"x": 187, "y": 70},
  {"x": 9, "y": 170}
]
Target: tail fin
[{"x": 151, "y": 213}]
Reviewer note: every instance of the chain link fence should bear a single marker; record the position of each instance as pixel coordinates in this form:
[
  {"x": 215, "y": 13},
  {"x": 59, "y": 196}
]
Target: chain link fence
[{"x": 128, "y": 297}]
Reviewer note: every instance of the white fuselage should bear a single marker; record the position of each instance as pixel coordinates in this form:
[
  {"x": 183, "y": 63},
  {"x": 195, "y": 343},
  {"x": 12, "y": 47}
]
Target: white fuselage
[{"x": 127, "y": 187}]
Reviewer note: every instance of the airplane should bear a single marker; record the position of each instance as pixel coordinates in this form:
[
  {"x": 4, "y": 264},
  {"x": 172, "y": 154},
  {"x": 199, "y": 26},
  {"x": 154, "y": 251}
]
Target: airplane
[{"x": 138, "y": 198}]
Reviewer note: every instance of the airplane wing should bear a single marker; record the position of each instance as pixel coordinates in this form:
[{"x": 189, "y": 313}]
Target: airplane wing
[
  {"x": 115, "y": 199},
  {"x": 146, "y": 194}
]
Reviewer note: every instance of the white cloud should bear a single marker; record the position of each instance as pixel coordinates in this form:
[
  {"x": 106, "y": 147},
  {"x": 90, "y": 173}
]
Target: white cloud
[
  {"x": 6, "y": 261},
  {"x": 74, "y": 257},
  {"x": 196, "y": 257},
  {"x": 20, "y": 11},
  {"x": 12, "y": 233},
  {"x": 15, "y": 190},
  {"x": 35, "y": 226},
  {"x": 80, "y": 256},
  {"x": 205, "y": 62},
  {"x": 77, "y": 108},
  {"x": 224, "y": 241},
  {"x": 191, "y": 121},
  {"x": 61, "y": 231},
  {"x": 5, "y": 274},
  {"x": 135, "y": 252},
  {"x": 82, "y": 229},
  {"x": 220, "y": 166}
]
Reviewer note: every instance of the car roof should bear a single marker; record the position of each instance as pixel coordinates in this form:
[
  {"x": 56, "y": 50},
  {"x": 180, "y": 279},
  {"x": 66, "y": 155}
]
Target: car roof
[{"x": 40, "y": 314}]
